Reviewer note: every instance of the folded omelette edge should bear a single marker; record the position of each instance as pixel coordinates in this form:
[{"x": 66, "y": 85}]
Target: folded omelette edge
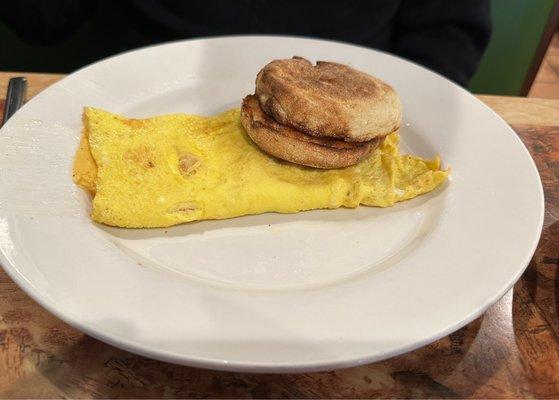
[{"x": 171, "y": 169}]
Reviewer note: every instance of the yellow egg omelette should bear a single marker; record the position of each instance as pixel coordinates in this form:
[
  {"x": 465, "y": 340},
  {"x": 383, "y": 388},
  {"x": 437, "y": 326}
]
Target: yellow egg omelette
[{"x": 167, "y": 170}]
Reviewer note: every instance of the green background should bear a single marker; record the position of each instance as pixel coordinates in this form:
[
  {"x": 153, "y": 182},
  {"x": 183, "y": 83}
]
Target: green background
[{"x": 517, "y": 29}]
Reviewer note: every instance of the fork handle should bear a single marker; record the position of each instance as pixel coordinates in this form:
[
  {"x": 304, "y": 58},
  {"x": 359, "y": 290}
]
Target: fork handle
[{"x": 15, "y": 97}]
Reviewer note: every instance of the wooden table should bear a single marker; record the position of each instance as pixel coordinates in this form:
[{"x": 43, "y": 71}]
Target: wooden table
[{"x": 511, "y": 351}]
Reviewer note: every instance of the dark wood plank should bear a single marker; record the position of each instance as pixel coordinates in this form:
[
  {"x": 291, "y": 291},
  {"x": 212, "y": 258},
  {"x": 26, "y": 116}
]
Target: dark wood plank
[{"x": 549, "y": 29}]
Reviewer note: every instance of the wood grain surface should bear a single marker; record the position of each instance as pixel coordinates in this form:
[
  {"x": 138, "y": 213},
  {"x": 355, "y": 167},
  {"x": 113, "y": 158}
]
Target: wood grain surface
[
  {"x": 512, "y": 351},
  {"x": 35, "y": 82}
]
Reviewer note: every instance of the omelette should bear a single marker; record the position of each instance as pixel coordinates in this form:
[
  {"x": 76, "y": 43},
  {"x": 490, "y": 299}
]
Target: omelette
[{"x": 167, "y": 170}]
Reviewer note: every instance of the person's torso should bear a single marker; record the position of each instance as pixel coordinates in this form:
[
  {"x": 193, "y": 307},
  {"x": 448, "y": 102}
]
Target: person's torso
[{"x": 365, "y": 22}]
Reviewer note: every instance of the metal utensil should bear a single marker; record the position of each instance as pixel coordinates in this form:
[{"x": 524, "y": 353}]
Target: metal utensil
[{"x": 15, "y": 97}]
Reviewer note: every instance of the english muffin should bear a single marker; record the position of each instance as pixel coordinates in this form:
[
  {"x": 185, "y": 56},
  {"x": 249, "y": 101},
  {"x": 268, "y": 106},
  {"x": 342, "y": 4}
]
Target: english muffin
[
  {"x": 328, "y": 100},
  {"x": 289, "y": 144}
]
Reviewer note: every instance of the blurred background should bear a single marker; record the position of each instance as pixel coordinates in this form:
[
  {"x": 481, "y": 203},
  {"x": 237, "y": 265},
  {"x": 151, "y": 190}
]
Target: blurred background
[{"x": 521, "y": 57}]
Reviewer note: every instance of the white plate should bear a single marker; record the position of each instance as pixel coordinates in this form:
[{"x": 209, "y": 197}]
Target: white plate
[{"x": 310, "y": 291}]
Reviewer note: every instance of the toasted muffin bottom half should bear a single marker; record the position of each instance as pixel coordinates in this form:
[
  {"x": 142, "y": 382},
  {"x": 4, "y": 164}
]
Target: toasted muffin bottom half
[{"x": 289, "y": 144}]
